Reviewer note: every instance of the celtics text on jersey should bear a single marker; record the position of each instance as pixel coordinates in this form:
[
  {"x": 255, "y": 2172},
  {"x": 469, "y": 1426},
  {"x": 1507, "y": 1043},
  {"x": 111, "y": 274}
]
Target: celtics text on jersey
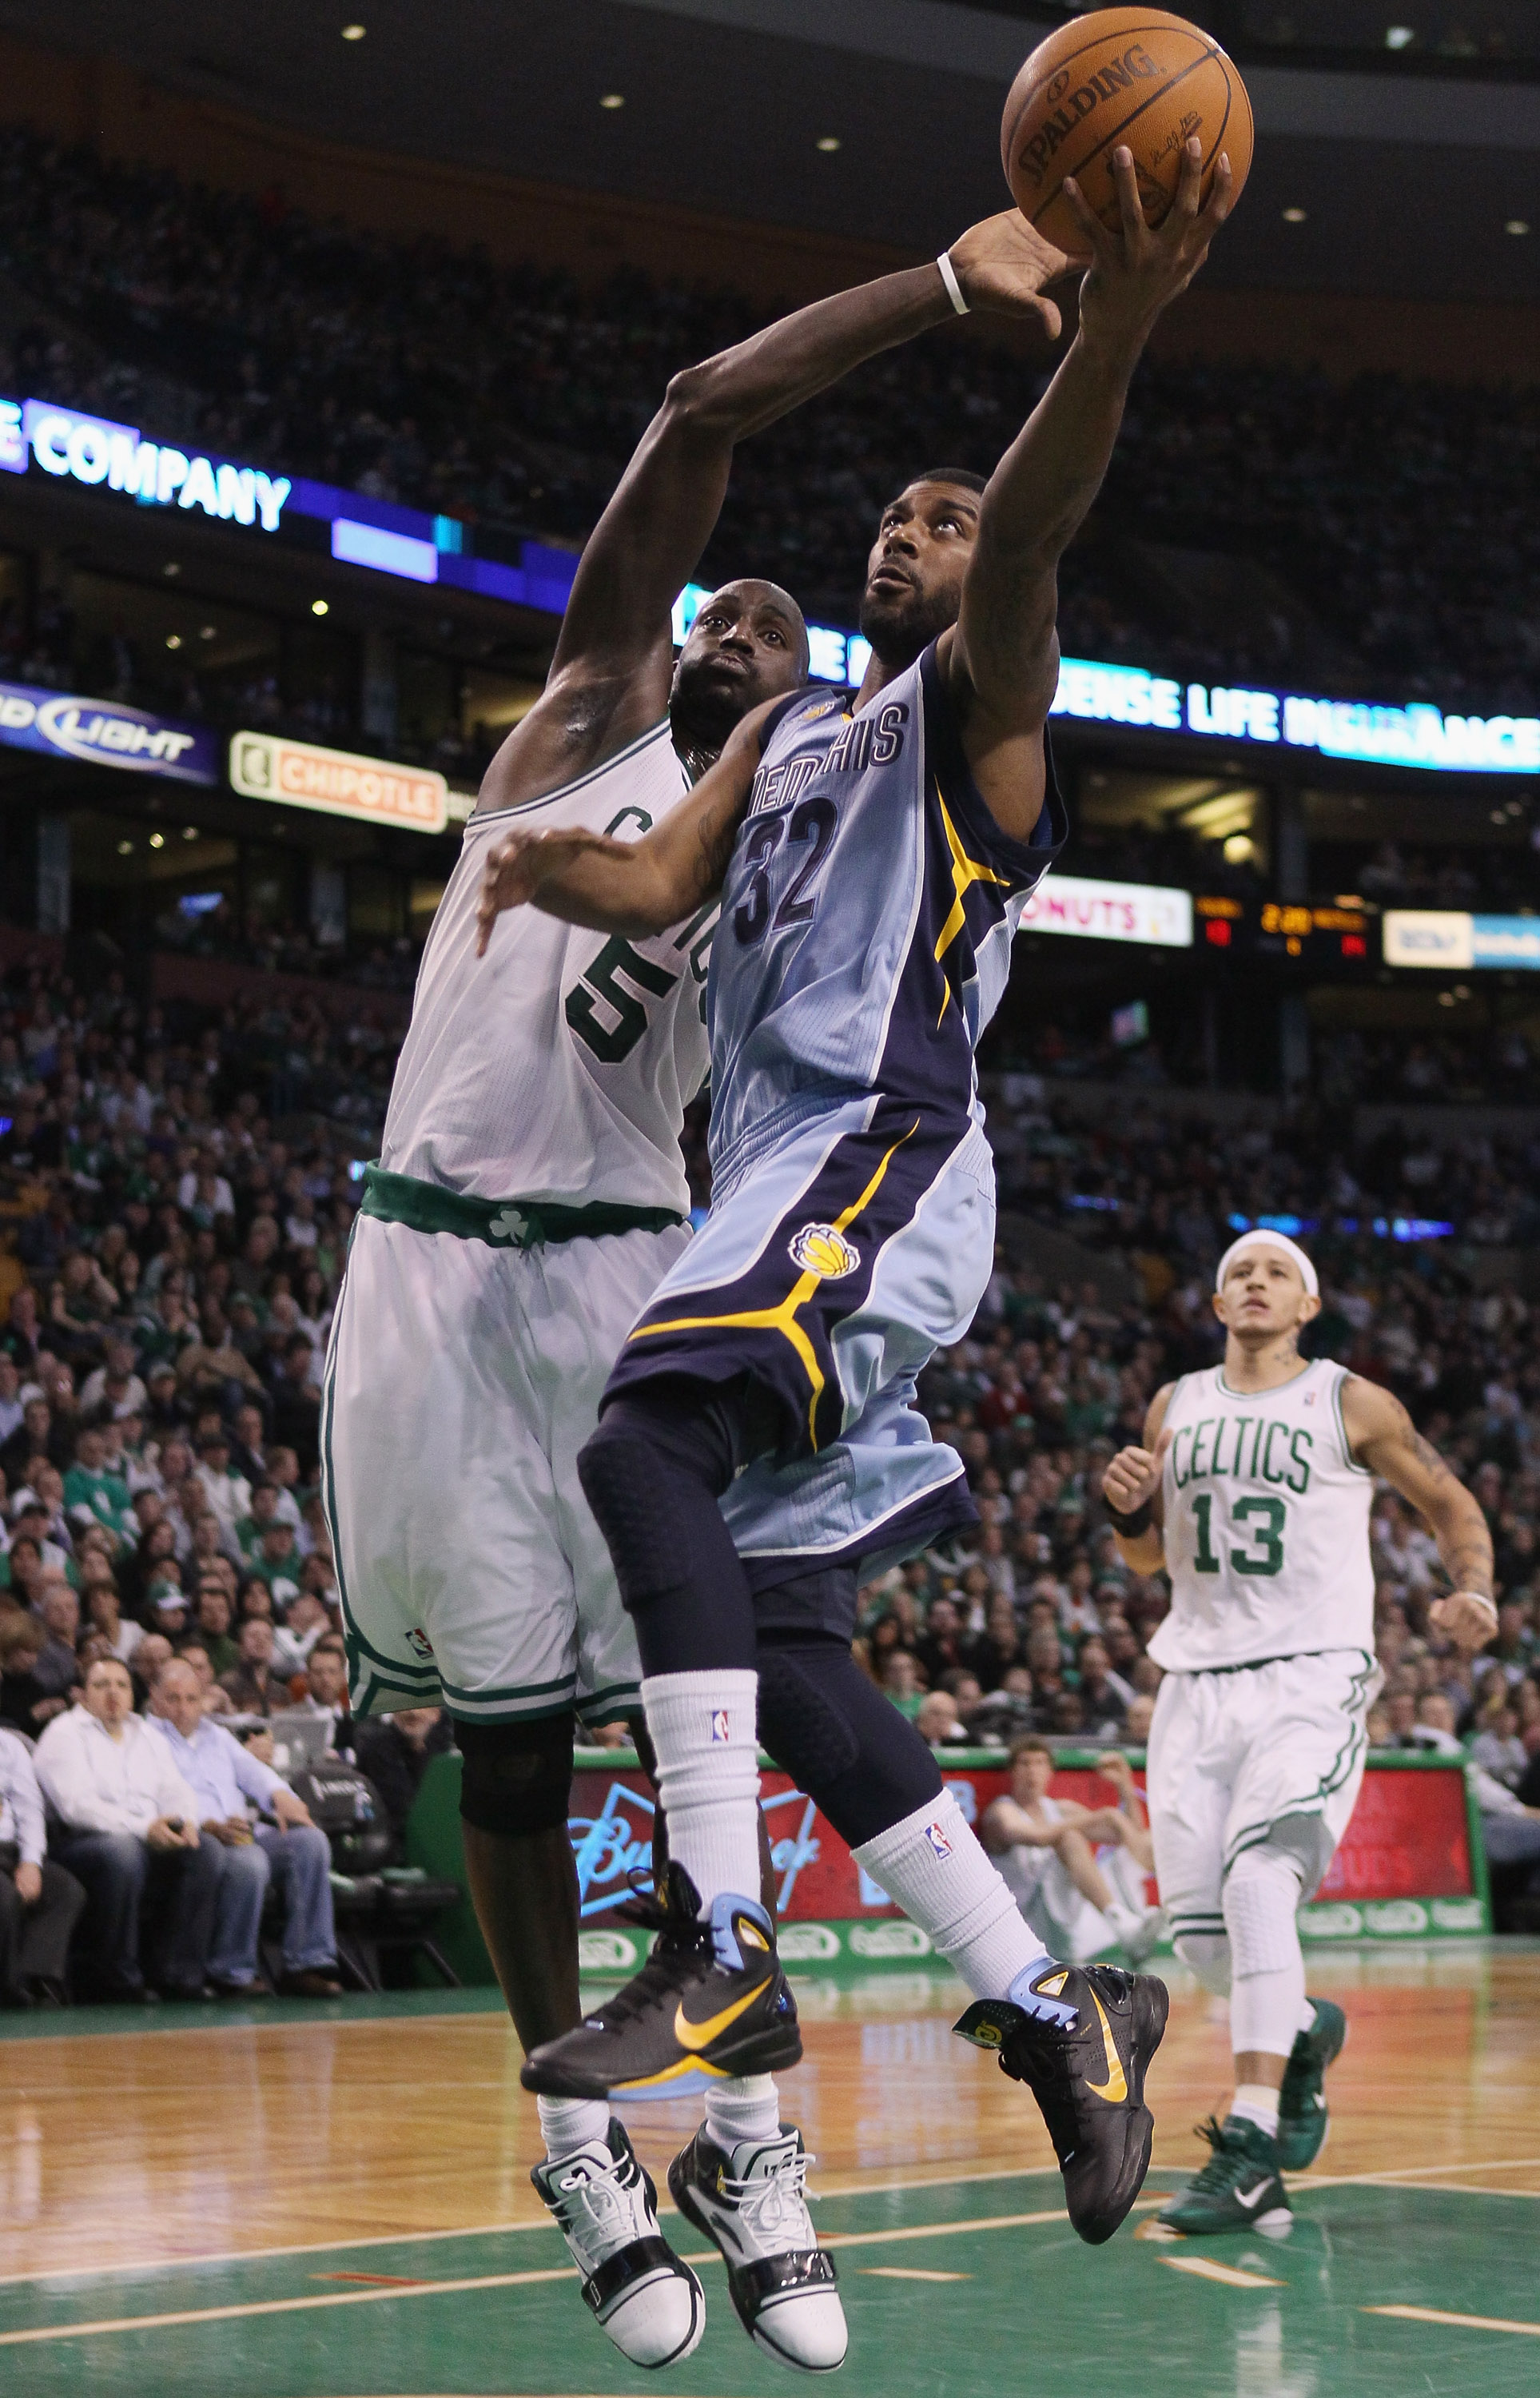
[{"x": 1267, "y": 1523}]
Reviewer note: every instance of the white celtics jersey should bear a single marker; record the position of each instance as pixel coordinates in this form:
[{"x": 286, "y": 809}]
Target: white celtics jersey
[
  {"x": 1267, "y": 1526},
  {"x": 558, "y": 1066}
]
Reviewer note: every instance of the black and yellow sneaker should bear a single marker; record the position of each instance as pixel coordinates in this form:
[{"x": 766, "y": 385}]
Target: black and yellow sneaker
[
  {"x": 1082, "y": 2039},
  {"x": 1239, "y": 2189},
  {"x": 1303, "y": 2115},
  {"x": 710, "y": 1999}
]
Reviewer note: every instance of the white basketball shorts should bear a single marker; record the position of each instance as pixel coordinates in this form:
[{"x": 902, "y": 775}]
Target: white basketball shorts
[
  {"x": 460, "y": 1383},
  {"x": 1253, "y": 1753}
]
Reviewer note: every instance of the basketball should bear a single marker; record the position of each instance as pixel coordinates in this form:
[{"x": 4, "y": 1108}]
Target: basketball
[{"x": 1133, "y": 75}]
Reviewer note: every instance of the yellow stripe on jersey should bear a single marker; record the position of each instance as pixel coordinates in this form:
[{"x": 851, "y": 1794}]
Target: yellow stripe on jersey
[{"x": 782, "y": 1318}]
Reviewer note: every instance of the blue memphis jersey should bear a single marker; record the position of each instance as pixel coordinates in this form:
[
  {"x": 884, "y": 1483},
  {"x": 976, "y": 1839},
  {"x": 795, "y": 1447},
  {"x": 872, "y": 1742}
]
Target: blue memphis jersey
[{"x": 868, "y": 917}]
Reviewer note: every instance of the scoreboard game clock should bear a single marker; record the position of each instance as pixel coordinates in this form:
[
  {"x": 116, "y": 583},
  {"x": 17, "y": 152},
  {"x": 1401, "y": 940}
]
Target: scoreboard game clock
[{"x": 1336, "y": 934}]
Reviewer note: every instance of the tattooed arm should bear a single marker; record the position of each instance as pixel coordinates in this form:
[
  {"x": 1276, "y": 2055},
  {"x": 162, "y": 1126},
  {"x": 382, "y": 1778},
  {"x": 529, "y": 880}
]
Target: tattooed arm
[
  {"x": 1382, "y": 1437},
  {"x": 638, "y": 887}
]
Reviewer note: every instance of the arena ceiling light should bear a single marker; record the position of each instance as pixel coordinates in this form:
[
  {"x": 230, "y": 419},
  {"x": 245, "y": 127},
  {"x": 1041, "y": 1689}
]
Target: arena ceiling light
[
  {"x": 354, "y": 32},
  {"x": 1295, "y": 216},
  {"x": 1517, "y": 226},
  {"x": 612, "y": 99},
  {"x": 1399, "y": 37},
  {"x": 828, "y": 142},
  {"x": 319, "y": 608}
]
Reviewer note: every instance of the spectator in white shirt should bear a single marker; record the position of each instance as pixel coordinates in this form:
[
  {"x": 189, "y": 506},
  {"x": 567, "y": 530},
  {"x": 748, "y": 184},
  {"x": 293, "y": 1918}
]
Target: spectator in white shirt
[
  {"x": 39, "y": 1902},
  {"x": 131, "y": 1836},
  {"x": 229, "y": 1782}
]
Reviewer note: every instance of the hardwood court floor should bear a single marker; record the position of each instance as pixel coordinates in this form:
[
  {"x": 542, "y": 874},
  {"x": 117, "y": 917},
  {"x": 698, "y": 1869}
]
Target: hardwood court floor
[{"x": 306, "y": 2208}]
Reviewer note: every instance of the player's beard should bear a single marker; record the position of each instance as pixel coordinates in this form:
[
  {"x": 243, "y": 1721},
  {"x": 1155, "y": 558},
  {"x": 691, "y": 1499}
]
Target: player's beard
[{"x": 899, "y": 623}]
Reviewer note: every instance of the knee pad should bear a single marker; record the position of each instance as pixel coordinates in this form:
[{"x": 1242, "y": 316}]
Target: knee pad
[
  {"x": 647, "y": 1472},
  {"x": 515, "y": 1778},
  {"x": 1206, "y": 1954},
  {"x": 801, "y": 1721},
  {"x": 1261, "y": 1902}
]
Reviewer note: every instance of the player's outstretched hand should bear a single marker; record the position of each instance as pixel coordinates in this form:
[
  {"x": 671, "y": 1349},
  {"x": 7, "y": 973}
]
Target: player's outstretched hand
[
  {"x": 518, "y": 864},
  {"x": 1004, "y": 265},
  {"x": 1134, "y": 1476},
  {"x": 1465, "y": 1618},
  {"x": 1137, "y": 270}
]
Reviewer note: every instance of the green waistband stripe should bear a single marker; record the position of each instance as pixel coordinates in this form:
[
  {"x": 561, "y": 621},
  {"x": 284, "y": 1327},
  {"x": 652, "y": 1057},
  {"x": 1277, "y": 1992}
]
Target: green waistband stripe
[{"x": 505, "y": 1223}]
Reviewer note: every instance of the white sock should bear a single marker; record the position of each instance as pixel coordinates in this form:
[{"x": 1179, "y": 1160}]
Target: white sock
[
  {"x": 932, "y": 1866},
  {"x": 703, "y": 1728},
  {"x": 744, "y": 2107},
  {"x": 1308, "y": 2015},
  {"x": 1254, "y": 2103},
  {"x": 567, "y": 2124}
]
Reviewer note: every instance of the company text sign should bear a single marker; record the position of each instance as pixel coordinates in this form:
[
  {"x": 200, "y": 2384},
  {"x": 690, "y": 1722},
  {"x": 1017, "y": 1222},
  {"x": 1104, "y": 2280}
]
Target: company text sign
[
  {"x": 265, "y": 766},
  {"x": 1151, "y": 912},
  {"x": 104, "y": 733}
]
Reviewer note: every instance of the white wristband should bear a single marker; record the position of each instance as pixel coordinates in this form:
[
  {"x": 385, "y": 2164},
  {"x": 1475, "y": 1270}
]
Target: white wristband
[{"x": 953, "y": 288}]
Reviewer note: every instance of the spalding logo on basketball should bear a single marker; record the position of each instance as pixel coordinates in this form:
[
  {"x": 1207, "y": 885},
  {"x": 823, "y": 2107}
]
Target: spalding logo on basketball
[
  {"x": 819, "y": 1249},
  {"x": 1136, "y": 76}
]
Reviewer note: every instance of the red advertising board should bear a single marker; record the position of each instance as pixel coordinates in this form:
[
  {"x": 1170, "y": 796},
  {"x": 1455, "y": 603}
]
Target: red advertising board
[{"x": 1408, "y": 1841}]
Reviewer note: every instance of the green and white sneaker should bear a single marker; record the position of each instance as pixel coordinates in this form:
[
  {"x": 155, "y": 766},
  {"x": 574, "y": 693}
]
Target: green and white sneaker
[
  {"x": 1239, "y": 2189},
  {"x": 1303, "y": 2115}
]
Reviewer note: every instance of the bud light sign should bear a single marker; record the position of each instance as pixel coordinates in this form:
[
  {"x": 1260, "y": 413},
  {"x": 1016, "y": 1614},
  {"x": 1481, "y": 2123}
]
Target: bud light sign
[
  {"x": 615, "y": 1840},
  {"x": 105, "y": 733}
]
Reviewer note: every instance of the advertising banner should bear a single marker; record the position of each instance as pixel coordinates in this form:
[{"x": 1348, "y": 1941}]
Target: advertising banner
[
  {"x": 1447, "y": 939},
  {"x": 105, "y": 733},
  {"x": 1403, "y": 1870},
  {"x": 269, "y": 766},
  {"x": 1152, "y": 912}
]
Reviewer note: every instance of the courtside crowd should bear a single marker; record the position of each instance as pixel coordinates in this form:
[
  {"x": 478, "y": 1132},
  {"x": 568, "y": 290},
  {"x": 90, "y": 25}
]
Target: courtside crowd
[{"x": 175, "y": 1191}]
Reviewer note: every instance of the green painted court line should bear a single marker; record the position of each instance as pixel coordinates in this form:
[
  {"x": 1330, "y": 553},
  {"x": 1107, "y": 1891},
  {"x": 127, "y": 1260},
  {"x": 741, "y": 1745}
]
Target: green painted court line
[{"x": 1464, "y": 2322}]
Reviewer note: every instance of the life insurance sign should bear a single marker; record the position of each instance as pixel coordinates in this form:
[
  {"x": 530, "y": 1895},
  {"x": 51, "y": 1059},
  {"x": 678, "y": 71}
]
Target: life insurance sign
[
  {"x": 102, "y": 733},
  {"x": 1152, "y": 913},
  {"x": 90, "y": 450},
  {"x": 1417, "y": 734},
  {"x": 265, "y": 766}
]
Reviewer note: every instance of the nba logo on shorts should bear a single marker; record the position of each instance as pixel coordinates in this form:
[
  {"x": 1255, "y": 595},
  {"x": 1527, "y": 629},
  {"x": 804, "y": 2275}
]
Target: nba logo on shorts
[
  {"x": 420, "y": 1643},
  {"x": 938, "y": 1839},
  {"x": 719, "y": 1726}
]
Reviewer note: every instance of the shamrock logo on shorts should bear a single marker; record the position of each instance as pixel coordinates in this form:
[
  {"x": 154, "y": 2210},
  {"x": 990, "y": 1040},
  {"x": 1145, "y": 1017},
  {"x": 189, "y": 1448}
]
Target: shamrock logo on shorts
[{"x": 508, "y": 1224}]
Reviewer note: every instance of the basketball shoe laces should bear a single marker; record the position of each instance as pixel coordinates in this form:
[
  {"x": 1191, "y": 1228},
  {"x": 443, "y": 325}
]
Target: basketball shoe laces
[
  {"x": 773, "y": 2207},
  {"x": 601, "y": 2212},
  {"x": 675, "y": 1963},
  {"x": 1228, "y": 2163}
]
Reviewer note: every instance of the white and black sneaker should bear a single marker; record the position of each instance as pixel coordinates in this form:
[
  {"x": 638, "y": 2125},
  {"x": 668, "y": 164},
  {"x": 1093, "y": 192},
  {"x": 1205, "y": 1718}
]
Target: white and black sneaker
[
  {"x": 645, "y": 2298},
  {"x": 753, "y": 2203}
]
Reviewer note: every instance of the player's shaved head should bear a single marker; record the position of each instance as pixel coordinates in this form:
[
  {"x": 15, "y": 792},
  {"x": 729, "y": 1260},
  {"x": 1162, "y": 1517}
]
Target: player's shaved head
[{"x": 749, "y": 644}]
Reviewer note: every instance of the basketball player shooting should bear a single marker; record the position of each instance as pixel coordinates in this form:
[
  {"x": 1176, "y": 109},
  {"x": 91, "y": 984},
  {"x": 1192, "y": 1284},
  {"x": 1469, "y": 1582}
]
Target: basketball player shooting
[
  {"x": 760, "y": 1449},
  {"x": 529, "y": 1196},
  {"x": 1252, "y": 1491}
]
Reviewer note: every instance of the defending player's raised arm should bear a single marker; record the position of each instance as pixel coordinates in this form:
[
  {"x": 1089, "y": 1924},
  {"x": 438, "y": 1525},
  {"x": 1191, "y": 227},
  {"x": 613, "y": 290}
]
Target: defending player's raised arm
[
  {"x": 1383, "y": 1436},
  {"x": 610, "y": 677},
  {"x": 1002, "y": 661},
  {"x": 637, "y": 888},
  {"x": 1131, "y": 1488}
]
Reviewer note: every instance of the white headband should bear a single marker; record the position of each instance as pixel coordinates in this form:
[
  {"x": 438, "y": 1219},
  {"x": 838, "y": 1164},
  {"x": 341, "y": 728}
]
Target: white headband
[{"x": 1260, "y": 1239}]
